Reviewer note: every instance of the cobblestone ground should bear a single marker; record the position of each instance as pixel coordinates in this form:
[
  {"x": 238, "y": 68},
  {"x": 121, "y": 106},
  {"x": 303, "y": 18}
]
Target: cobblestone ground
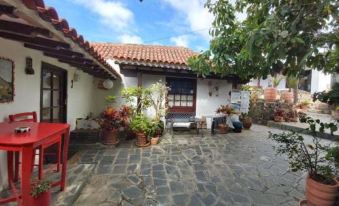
[{"x": 231, "y": 169}]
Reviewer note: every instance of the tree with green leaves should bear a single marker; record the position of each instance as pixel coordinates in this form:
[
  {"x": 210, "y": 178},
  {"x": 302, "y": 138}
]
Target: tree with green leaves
[{"x": 277, "y": 36}]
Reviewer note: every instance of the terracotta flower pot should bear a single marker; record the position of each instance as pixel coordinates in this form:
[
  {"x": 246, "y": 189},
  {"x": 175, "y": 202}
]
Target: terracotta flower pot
[
  {"x": 43, "y": 200},
  {"x": 270, "y": 94},
  {"x": 247, "y": 122},
  {"x": 287, "y": 97},
  {"x": 154, "y": 140},
  {"x": 141, "y": 139},
  {"x": 318, "y": 194},
  {"x": 223, "y": 128},
  {"x": 303, "y": 203},
  {"x": 335, "y": 114},
  {"x": 110, "y": 137}
]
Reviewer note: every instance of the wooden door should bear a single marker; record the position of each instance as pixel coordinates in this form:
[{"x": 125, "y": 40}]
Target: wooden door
[{"x": 53, "y": 102}]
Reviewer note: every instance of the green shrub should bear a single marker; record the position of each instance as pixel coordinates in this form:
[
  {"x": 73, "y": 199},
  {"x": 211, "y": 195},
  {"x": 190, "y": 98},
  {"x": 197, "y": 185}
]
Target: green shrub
[{"x": 140, "y": 124}]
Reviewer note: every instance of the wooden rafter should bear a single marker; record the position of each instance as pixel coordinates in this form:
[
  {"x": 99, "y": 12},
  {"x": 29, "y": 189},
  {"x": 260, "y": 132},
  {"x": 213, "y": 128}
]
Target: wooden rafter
[
  {"x": 23, "y": 28},
  {"x": 56, "y": 49},
  {"x": 33, "y": 40},
  {"x": 5, "y": 9}
]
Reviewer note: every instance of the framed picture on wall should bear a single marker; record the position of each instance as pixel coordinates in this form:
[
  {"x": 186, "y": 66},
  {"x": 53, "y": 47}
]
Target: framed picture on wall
[{"x": 6, "y": 80}]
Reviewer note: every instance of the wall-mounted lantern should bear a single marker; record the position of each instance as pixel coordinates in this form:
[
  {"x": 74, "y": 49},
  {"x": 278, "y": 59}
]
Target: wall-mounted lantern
[{"x": 29, "y": 66}]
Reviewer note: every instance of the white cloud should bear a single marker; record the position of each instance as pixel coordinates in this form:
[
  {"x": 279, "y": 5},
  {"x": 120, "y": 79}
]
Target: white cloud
[
  {"x": 182, "y": 40},
  {"x": 196, "y": 15},
  {"x": 113, "y": 14},
  {"x": 131, "y": 39}
]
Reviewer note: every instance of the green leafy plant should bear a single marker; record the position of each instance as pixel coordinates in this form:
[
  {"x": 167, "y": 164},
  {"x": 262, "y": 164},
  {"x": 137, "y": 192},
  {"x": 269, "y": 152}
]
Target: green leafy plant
[
  {"x": 110, "y": 99},
  {"x": 320, "y": 161},
  {"x": 40, "y": 187},
  {"x": 275, "y": 37},
  {"x": 155, "y": 128},
  {"x": 159, "y": 93},
  {"x": 292, "y": 82},
  {"x": 331, "y": 97},
  {"x": 276, "y": 81},
  {"x": 137, "y": 98},
  {"x": 140, "y": 124}
]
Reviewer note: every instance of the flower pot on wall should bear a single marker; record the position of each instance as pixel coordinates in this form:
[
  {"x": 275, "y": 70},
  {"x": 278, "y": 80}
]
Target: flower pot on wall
[
  {"x": 319, "y": 194},
  {"x": 43, "y": 200},
  {"x": 270, "y": 94},
  {"x": 110, "y": 137},
  {"x": 287, "y": 97}
]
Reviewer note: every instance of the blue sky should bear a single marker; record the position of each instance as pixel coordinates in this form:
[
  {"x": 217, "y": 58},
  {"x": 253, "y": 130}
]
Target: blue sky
[{"x": 167, "y": 22}]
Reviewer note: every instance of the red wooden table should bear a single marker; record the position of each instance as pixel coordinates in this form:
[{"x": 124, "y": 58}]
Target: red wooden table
[{"x": 40, "y": 134}]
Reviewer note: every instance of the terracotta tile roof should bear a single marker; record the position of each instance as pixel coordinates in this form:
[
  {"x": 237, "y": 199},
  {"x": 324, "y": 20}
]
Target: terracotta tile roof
[
  {"x": 49, "y": 14},
  {"x": 147, "y": 55}
]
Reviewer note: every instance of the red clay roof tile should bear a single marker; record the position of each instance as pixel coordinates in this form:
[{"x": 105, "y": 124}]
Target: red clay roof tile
[{"x": 173, "y": 55}]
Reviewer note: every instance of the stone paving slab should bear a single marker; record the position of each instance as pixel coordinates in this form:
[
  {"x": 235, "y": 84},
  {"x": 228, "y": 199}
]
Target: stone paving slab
[{"x": 230, "y": 169}]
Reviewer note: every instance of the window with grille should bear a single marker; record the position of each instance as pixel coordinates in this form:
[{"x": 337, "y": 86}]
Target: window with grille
[{"x": 181, "y": 95}]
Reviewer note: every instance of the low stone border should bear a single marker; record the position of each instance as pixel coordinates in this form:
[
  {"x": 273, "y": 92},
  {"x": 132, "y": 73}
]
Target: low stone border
[{"x": 301, "y": 130}]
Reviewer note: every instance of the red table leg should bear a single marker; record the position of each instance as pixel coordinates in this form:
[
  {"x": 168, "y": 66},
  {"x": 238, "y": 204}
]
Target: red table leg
[
  {"x": 10, "y": 167},
  {"x": 64, "y": 160},
  {"x": 26, "y": 173}
]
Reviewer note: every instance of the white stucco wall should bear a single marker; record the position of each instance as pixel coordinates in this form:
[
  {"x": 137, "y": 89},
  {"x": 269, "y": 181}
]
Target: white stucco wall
[
  {"x": 27, "y": 90},
  {"x": 320, "y": 81},
  {"x": 267, "y": 82},
  {"x": 206, "y": 104}
]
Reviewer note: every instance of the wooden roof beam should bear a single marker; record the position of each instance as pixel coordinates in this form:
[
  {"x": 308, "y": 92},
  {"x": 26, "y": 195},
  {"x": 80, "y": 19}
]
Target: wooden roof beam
[
  {"x": 55, "y": 50},
  {"x": 23, "y": 28},
  {"x": 33, "y": 40}
]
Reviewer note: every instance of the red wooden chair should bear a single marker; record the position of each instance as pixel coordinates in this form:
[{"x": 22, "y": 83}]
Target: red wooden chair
[{"x": 40, "y": 151}]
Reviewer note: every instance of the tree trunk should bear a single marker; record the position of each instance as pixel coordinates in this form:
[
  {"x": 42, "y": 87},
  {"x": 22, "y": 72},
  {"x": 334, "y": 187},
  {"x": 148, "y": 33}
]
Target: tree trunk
[{"x": 295, "y": 95}]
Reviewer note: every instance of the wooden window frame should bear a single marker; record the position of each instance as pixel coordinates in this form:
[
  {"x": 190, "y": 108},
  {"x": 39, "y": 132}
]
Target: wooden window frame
[
  {"x": 183, "y": 109},
  {"x": 62, "y": 89}
]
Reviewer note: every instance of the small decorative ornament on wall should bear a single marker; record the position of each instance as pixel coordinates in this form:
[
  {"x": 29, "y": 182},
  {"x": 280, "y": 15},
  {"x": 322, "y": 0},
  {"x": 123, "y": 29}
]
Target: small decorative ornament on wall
[
  {"x": 29, "y": 66},
  {"x": 6, "y": 80}
]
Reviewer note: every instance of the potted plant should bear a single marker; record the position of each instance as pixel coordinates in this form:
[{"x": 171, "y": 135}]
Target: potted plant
[
  {"x": 279, "y": 115},
  {"x": 225, "y": 109},
  {"x": 40, "y": 191},
  {"x": 246, "y": 120},
  {"x": 223, "y": 128},
  {"x": 155, "y": 131},
  {"x": 111, "y": 121},
  {"x": 320, "y": 161},
  {"x": 140, "y": 125},
  {"x": 270, "y": 93},
  {"x": 303, "y": 105},
  {"x": 292, "y": 83},
  {"x": 291, "y": 116},
  {"x": 335, "y": 113},
  {"x": 331, "y": 98}
]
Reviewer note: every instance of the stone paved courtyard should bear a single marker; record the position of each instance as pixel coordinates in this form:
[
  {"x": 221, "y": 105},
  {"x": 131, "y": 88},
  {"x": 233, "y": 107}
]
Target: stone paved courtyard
[{"x": 231, "y": 169}]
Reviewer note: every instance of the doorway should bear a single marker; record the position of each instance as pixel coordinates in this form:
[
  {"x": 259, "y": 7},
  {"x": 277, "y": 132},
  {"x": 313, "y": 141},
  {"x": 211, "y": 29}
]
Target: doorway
[{"x": 53, "y": 99}]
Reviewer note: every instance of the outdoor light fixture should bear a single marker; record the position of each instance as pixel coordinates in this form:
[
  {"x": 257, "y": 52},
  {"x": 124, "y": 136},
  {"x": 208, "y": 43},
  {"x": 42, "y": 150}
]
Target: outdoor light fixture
[
  {"x": 29, "y": 66},
  {"x": 108, "y": 84}
]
